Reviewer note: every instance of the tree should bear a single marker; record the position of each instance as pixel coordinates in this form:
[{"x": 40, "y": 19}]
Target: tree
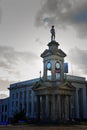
[{"x": 19, "y": 116}]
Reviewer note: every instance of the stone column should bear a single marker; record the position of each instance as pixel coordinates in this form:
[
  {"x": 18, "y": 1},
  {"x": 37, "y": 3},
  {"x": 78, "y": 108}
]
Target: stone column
[
  {"x": 53, "y": 71},
  {"x": 32, "y": 104},
  {"x": 27, "y": 106},
  {"x": 43, "y": 107},
  {"x": 18, "y": 101},
  {"x": 47, "y": 106},
  {"x": 84, "y": 102},
  {"x": 62, "y": 72},
  {"x": 22, "y": 100},
  {"x": 45, "y": 72},
  {"x": 77, "y": 104},
  {"x": 53, "y": 108},
  {"x": 67, "y": 108},
  {"x": 14, "y": 108},
  {"x": 38, "y": 107},
  {"x": 63, "y": 107},
  {"x": 58, "y": 107}
]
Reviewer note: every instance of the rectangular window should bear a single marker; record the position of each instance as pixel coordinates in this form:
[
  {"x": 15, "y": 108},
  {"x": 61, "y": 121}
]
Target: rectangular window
[
  {"x": 30, "y": 94},
  {"x": 6, "y": 108},
  {"x": 16, "y": 103},
  {"x": 20, "y": 95},
  {"x": 29, "y": 107},
  {"x": 12, "y": 103},
  {"x": 17, "y": 95},
  {"x": 2, "y": 108},
  {"x": 12, "y": 96}
]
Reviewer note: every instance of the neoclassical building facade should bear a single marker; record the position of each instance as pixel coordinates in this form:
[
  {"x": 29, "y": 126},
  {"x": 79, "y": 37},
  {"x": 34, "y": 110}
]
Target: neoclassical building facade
[{"x": 56, "y": 96}]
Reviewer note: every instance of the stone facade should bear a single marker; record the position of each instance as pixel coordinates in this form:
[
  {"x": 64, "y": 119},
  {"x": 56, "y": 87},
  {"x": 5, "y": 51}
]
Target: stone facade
[{"x": 52, "y": 97}]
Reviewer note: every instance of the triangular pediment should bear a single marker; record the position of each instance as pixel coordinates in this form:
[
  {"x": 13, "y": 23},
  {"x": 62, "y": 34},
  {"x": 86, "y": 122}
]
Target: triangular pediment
[
  {"x": 46, "y": 53},
  {"x": 58, "y": 52},
  {"x": 66, "y": 86}
]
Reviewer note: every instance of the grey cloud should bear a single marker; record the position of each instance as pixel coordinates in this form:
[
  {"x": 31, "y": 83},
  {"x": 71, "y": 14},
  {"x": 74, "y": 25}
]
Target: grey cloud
[
  {"x": 0, "y": 11},
  {"x": 4, "y": 84},
  {"x": 64, "y": 13},
  {"x": 10, "y": 58},
  {"x": 2, "y": 96},
  {"x": 78, "y": 58}
]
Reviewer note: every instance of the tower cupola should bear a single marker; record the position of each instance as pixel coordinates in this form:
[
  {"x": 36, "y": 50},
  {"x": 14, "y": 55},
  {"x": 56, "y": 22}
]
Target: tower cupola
[{"x": 53, "y": 59}]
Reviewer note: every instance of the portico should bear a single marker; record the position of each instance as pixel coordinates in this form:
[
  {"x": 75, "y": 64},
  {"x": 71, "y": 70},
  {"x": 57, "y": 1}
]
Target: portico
[
  {"x": 55, "y": 103},
  {"x": 55, "y": 97}
]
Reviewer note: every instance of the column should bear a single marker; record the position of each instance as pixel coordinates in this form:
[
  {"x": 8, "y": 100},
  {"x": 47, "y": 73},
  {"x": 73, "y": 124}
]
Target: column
[
  {"x": 84, "y": 102},
  {"x": 63, "y": 107},
  {"x": 22, "y": 100},
  {"x": 18, "y": 101},
  {"x": 38, "y": 107},
  {"x": 53, "y": 71},
  {"x": 77, "y": 104},
  {"x": 14, "y": 109},
  {"x": 27, "y": 106},
  {"x": 43, "y": 107},
  {"x": 58, "y": 107},
  {"x": 32, "y": 103},
  {"x": 67, "y": 108},
  {"x": 62, "y": 72},
  {"x": 47, "y": 106},
  {"x": 53, "y": 108},
  {"x": 45, "y": 72}
]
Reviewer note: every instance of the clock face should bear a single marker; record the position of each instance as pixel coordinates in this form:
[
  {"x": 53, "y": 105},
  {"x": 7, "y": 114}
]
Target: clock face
[
  {"x": 57, "y": 65},
  {"x": 49, "y": 65}
]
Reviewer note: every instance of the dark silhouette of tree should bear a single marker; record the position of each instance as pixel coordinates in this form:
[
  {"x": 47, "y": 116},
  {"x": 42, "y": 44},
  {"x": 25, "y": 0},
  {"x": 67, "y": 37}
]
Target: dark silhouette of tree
[{"x": 19, "y": 116}]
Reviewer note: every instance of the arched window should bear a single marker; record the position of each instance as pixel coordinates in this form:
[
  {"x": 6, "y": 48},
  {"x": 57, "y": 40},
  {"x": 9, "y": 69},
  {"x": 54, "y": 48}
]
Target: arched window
[
  {"x": 49, "y": 69},
  {"x": 57, "y": 70}
]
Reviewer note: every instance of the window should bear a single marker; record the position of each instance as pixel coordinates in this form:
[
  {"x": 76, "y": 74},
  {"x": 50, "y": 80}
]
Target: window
[
  {"x": 49, "y": 69},
  {"x": 2, "y": 108},
  {"x": 20, "y": 106},
  {"x": 29, "y": 94},
  {"x": 34, "y": 106},
  {"x": 6, "y": 108},
  {"x": 20, "y": 95},
  {"x": 17, "y": 95},
  {"x": 13, "y": 104},
  {"x": 5, "y": 118},
  {"x": 16, "y": 103},
  {"x": 12, "y": 96},
  {"x": 2, "y": 118},
  {"x": 29, "y": 107}
]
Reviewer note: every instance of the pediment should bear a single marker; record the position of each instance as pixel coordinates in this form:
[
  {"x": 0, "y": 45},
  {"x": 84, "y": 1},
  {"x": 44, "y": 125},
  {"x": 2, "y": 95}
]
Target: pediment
[
  {"x": 66, "y": 86},
  {"x": 45, "y": 53}
]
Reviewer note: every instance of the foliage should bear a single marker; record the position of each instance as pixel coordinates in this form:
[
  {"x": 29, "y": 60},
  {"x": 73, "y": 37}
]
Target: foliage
[{"x": 19, "y": 116}]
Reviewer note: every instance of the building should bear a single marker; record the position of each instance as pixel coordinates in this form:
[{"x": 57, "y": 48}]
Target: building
[
  {"x": 4, "y": 110},
  {"x": 54, "y": 97}
]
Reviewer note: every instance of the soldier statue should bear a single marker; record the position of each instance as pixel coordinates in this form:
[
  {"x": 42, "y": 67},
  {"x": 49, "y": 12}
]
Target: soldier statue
[{"x": 52, "y": 33}]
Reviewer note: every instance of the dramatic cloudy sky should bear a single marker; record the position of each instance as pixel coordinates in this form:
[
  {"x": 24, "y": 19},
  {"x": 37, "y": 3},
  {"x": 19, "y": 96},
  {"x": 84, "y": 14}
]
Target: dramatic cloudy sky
[{"x": 24, "y": 35}]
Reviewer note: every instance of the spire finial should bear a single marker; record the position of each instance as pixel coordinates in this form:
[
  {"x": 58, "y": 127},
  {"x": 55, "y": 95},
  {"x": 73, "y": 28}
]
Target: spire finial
[{"x": 52, "y": 31}]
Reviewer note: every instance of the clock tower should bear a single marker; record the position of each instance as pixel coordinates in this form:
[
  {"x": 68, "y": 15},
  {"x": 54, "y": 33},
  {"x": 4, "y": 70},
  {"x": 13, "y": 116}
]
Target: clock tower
[
  {"x": 55, "y": 96},
  {"x": 53, "y": 60}
]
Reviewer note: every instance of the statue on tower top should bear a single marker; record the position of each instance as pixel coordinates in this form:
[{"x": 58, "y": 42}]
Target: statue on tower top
[{"x": 52, "y": 33}]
